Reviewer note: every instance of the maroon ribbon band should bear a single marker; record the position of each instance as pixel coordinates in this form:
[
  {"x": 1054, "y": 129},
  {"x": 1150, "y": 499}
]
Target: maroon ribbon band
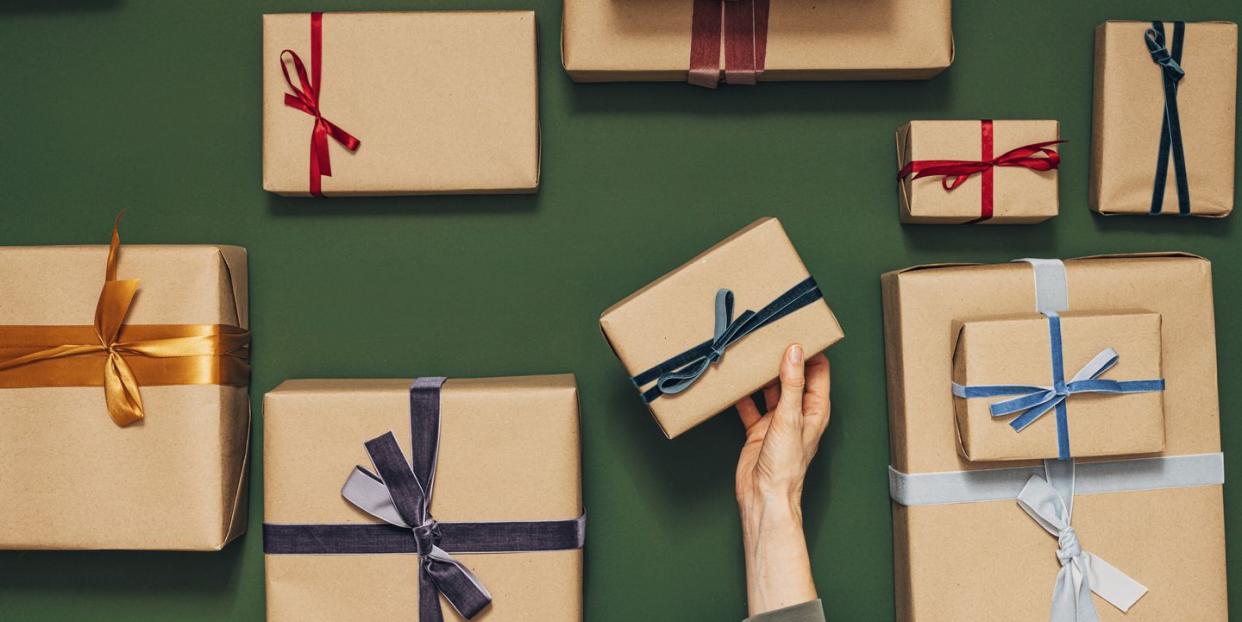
[
  {"x": 954, "y": 173},
  {"x": 306, "y": 99},
  {"x": 743, "y": 24}
]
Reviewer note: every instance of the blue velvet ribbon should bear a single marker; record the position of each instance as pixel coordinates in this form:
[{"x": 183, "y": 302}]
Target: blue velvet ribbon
[
  {"x": 1171, "y": 129},
  {"x": 1034, "y": 402},
  {"x": 680, "y": 372}
]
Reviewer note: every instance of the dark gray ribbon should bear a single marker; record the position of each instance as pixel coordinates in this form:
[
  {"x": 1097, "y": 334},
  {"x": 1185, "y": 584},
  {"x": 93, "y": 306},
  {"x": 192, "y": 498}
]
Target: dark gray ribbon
[
  {"x": 680, "y": 372},
  {"x": 400, "y": 495}
]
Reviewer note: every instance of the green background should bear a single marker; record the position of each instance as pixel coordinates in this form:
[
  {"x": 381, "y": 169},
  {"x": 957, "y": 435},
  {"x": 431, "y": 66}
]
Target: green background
[{"x": 154, "y": 106}]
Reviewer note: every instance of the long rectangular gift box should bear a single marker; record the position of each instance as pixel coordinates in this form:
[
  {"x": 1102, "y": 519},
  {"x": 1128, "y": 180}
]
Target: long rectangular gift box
[
  {"x": 990, "y": 171},
  {"x": 982, "y": 540},
  {"x": 400, "y": 103},
  {"x": 742, "y": 41},
  {"x": 400, "y": 500},
  {"x": 123, "y": 395},
  {"x": 1165, "y": 118},
  {"x": 749, "y": 296}
]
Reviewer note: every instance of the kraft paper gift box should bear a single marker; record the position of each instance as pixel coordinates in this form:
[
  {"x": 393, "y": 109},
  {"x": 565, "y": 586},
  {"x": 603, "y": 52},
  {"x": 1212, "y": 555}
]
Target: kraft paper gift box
[
  {"x": 501, "y": 459},
  {"x": 411, "y": 103},
  {"x": 1121, "y": 350},
  {"x": 742, "y": 41},
  {"x": 658, "y": 332},
  {"x": 71, "y": 476},
  {"x": 963, "y": 548},
  {"x": 1138, "y": 160},
  {"x": 998, "y": 172}
]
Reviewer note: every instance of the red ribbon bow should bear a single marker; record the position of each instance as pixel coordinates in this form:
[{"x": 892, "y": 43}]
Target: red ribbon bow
[
  {"x": 745, "y": 28},
  {"x": 306, "y": 99},
  {"x": 956, "y": 172}
]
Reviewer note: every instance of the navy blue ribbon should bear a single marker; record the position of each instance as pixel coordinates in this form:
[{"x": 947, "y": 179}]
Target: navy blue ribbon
[
  {"x": 680, "y": 372},
  {"x": 1034, "y": 402},
  {"x": 406, "y": 491},
  {"x": 1171, "y": 72}
]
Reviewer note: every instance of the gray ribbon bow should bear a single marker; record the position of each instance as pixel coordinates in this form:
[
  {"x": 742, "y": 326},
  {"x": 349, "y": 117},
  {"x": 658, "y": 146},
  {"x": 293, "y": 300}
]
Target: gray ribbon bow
[
  {"x": 397, "y": 497},
  {"x": 1081, "y": 572}
]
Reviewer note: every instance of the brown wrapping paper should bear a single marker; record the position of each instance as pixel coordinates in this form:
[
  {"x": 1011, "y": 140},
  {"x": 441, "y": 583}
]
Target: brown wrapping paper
[
  {"x": 442, "y": 102},
  {"x": 1020, "y": 195},
  {"x": 509, "y": 451},
  {"x": 989, "y": 560},
  {"x": 1016, "y": 350},
  {"x": 649, "y": 40},
  {"x": 73, "y": 479},
  {"x": 676, "y": 312},
  {"x": 1129, "y": 110}
]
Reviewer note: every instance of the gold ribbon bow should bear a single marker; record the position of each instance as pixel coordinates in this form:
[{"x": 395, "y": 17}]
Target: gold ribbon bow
[{"x": 163, "y": 354}]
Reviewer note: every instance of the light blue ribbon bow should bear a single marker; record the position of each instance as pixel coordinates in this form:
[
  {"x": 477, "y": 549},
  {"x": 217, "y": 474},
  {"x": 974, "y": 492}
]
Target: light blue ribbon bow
[{"x": 1034, "y": 402}]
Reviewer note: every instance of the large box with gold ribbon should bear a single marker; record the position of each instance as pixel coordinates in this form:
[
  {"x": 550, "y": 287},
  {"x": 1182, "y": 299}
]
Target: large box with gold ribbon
[
  {"x": 418, "y": 500},
  {"x": 416, "y": 102},
  {"x": 985, "y": 171},
  {"x": 1133, "y": 533},
  {"x": 744, "y": 41},
  {"x": 1165, "y": 118},
  {"x": 123, "y": 394},
  {"x": 713, "y": 331}
]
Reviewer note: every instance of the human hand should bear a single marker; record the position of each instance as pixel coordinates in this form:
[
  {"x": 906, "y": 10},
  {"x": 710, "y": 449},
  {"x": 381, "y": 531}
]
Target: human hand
[{"x": 778, "y": 449}]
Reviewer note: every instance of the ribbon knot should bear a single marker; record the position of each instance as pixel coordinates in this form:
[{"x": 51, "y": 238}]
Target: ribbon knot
[
  {"x": 1081, "y": 572},
  {"x": 1161, "y": 55},
  {"x": 1068, "y": 547},
  {"x": 306, "y": 99},
  {"x": 427, "y": 536}
]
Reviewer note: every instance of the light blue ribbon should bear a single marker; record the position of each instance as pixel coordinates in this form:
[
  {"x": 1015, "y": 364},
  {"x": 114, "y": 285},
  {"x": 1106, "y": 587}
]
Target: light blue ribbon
[{"x": 1034, "y": 401}]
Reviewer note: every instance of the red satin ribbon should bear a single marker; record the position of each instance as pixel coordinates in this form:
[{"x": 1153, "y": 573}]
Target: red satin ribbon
[
  {"x": 744, "y": 24},
  {"x": 306, "y": 99},
  {"x": 1026, "y": 156}
]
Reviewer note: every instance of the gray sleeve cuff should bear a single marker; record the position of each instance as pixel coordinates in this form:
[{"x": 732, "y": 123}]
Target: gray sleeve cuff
[{"x": 812, "y": 611}]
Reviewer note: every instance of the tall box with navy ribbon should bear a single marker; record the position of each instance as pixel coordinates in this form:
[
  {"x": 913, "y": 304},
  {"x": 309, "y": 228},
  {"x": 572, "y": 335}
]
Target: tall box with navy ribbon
[{"x": 1165, "y": 118}]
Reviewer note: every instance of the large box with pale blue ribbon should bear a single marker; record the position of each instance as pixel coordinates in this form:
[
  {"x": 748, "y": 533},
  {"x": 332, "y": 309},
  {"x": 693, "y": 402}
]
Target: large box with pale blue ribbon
[{"x": 1116, "y": 537}]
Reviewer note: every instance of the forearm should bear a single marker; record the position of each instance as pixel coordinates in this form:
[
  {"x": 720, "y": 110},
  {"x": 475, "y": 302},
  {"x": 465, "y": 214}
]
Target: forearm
[{"x": 778, "y": 568}]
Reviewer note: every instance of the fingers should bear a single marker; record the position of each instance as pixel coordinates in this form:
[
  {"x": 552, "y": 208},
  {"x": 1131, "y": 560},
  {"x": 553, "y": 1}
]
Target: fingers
[
  {"x": 747, "y": 411},
  {"x": 816, "y": 399},
  {"x": 816, "y": 402},
  {"x": 771, "y": 394},
  {"x": 792, "y": 382}
]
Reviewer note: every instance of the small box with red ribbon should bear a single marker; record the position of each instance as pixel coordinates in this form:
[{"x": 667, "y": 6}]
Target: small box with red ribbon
[{"x": 955, "y": 172}]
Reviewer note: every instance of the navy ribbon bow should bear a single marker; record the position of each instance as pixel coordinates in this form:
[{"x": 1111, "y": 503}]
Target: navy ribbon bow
[
  {"x": 400, "y": 495},
  {"x": 680, "y": 372},
  {"x": 1171, "y": 128},
  {"x": 1034, "y": 402}
]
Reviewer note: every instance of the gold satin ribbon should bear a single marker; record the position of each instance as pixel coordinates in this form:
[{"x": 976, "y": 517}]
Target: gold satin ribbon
[{"x": 155, "y": 354}]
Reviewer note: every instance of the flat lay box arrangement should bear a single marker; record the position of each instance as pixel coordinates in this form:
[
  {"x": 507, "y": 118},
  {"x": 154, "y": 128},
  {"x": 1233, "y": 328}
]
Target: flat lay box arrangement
[
  {"x": 163, "y": 350},
  {"x": 499, "y": 459},
  {"x": 1156, "y": 515},
  {"x": 400, "y": 103},
  {"x": 1053, "y": 423}
]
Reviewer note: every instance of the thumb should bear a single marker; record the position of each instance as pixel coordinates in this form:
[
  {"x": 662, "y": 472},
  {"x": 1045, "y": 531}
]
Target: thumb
[{"x": 793, "y": 382}]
